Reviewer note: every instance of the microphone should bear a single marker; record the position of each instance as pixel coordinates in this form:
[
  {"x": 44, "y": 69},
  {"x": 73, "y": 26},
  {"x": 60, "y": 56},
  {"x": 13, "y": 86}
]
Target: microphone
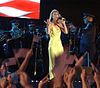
[{"x": 62, "y": 18}]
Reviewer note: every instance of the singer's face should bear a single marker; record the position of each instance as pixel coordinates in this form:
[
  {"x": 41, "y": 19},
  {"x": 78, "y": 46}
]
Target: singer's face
[{"x": 55, "y": 15}]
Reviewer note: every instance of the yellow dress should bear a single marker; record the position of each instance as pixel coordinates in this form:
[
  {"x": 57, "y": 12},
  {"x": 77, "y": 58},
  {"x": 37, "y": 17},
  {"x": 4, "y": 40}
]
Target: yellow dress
[{"x": 55, "y": 48}]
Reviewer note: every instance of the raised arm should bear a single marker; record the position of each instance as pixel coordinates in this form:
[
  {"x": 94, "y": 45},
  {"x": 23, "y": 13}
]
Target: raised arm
[
  {"x": 24, "y": 80},
  {"x": 96, "y": 75},
  {"x": 63, "y": 26},
  {"x": 25, "y": 62},
  {"x": 97, "y": 79},
  {"x": 69, "y": 77},
  {"x": 83, "y": 78}
]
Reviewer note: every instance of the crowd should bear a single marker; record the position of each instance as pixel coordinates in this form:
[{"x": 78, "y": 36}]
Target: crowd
[
  {"x": 20, "y": 79},
  {"x": 69, "y": 76}
]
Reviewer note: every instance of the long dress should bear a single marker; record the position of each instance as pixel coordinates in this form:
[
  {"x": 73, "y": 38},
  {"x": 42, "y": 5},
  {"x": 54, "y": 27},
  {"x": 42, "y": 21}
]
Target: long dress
[{"x": 55, "y": 48}]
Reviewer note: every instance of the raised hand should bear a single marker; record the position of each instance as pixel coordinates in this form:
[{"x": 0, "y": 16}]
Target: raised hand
[
  {"x": 83, "y": 75},
  {"x": 96, "y": 75},
  {"x": 47, "y": 22},
  {"x": 69, "y": 76},
  {"x": 83, "y": 78},
  {"x": 43, "y": 82},
  {"x": 94, "y": 67},
  {"x": 63, "y": 20}
]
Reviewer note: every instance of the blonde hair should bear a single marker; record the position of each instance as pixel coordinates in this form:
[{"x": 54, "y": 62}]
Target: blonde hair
[{"x": 51, "y": 14}]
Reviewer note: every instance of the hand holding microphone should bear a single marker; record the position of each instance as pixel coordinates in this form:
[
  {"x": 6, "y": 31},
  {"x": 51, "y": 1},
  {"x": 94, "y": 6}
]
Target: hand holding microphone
[{"x": 62, "y": 20}]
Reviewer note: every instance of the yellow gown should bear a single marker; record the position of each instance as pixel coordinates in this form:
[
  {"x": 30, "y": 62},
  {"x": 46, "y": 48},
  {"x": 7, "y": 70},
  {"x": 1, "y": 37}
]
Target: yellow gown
[{"x": 55, "y": 48}]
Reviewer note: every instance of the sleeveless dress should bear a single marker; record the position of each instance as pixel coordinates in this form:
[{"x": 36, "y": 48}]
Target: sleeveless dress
[{"x": 55, "y": 48}]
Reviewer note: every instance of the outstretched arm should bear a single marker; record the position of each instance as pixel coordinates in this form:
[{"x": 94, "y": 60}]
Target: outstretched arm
[
  {"x": 25, "y": 62},
  {"x": 24, "y": 80}
]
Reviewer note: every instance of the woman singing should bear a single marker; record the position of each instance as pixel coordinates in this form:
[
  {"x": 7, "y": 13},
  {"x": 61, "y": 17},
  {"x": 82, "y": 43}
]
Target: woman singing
[{"x": 55, "y": 24}]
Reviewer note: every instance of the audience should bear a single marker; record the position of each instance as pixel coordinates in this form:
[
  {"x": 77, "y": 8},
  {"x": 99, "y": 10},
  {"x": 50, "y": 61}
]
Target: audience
[
  {"x": 70, "y": 74},
  {"x": 10, "y": 80}
]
